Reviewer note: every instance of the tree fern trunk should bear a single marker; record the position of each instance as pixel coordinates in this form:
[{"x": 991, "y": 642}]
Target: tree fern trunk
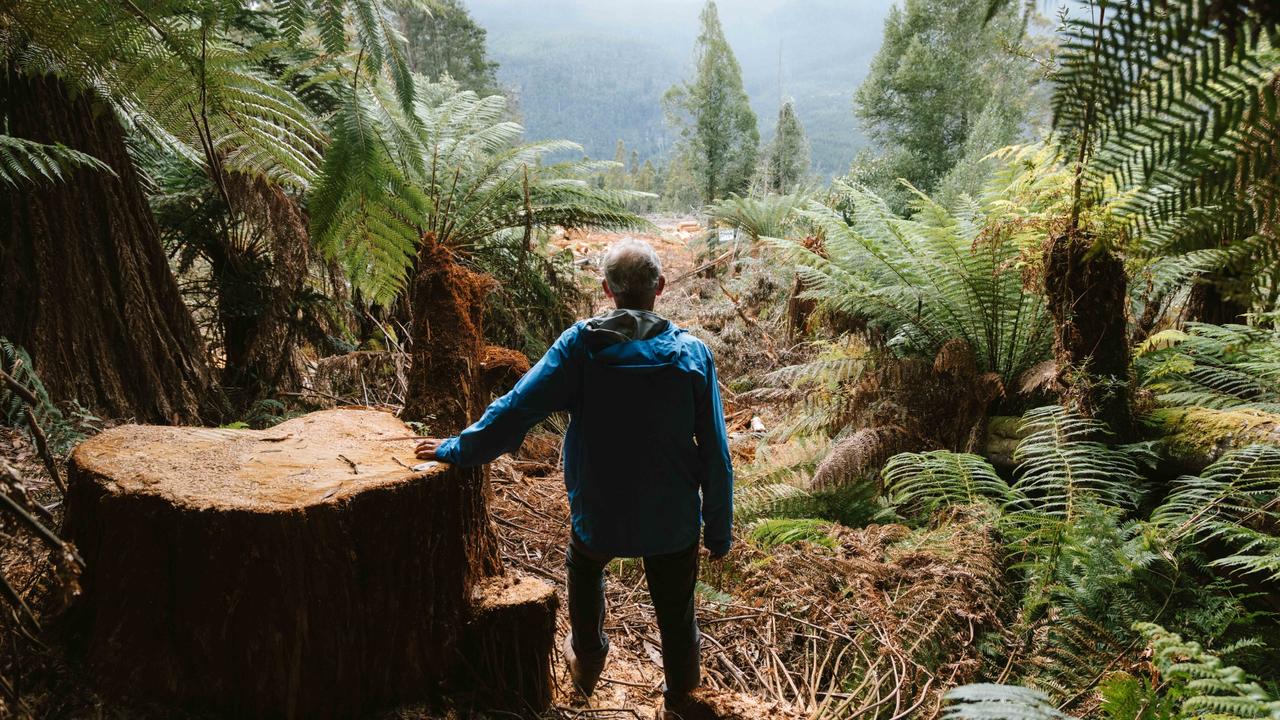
[
  {"x": 448, "y": 341},
  {"x": 1208, "y": 303},
  {"x": 87, "y": 289},
  {"x": 1087, "y": 297},
  {"x": 259, "y": 294}
]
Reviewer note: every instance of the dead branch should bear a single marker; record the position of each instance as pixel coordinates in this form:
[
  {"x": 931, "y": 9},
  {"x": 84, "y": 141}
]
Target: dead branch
[{"x": 42, "y": 448}]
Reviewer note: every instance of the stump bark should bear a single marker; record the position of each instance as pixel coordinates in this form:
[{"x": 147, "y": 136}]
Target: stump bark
[
  {"x": 300, "y": 571},
  {"x": 507, "y": 644}
]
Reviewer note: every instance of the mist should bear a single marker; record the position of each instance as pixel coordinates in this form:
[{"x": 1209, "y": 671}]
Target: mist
[{"x": 595, "y": 72}]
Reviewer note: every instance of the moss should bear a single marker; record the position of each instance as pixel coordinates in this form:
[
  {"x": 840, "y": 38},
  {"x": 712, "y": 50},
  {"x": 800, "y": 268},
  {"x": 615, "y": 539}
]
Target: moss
[
  {"x": 1004, "y": 426},
  {"x": 1199, "y": 436}
]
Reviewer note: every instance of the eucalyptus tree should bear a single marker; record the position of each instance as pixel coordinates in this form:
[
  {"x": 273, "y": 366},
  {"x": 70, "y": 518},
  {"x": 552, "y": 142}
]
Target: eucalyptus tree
[
  {"x": 88, "y": 289},
  {"x": 786, "y": 157},
  {"x": 712, "y": 113}
]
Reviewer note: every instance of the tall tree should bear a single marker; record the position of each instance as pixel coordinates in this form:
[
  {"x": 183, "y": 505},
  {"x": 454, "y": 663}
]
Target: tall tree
[
  {"x": 713, "y": 115},
  {"x": 939, "y": 68},
  {"x": 84, "y": 257},
  {"x": 87, "y": 289},
  {"x": 448, "y": 41},
  {"x": 786, "y": 158}
]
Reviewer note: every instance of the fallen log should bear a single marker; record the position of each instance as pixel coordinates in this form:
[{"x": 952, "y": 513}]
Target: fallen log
[
  {"x": 1194, "y": 438},
  {"x": 300, "y": 571}
]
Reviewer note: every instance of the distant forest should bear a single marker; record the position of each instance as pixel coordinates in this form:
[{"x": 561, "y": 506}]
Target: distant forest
[{"x": 596, "y": 72}]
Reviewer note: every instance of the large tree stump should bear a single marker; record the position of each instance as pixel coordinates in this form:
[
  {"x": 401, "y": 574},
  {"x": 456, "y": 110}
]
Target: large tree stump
[{"x": 301, "y": 571}]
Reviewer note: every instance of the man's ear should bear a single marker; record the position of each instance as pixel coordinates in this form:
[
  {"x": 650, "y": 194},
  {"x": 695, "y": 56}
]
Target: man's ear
[
  {"x": 607, "y": 292},
  {"x": 662, "y": 283}
]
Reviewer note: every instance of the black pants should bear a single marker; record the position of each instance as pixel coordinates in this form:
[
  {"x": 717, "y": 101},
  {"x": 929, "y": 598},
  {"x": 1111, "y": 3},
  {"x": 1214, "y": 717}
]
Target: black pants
[{"x": 671, "y": 580}]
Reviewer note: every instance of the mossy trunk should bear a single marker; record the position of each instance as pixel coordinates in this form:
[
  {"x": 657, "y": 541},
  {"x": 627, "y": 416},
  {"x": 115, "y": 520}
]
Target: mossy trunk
[
  {"x": 1086, "y": 290},
  {"x": 87, "y": 288}
]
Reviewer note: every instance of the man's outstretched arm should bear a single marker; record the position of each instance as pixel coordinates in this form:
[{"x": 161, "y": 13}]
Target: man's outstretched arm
[
  {"x": 715, "y": 466},
  {"x": 547, "y": 387}
]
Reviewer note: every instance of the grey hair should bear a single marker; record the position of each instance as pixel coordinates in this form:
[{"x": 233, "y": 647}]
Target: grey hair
[{"x": 631, "y": 267}]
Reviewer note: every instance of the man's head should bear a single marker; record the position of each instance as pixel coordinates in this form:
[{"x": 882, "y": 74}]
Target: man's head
[{"x": 633, "y": 274}]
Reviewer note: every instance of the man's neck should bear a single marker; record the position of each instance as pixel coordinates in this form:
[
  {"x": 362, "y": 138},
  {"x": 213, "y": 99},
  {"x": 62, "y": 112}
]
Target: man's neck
[{"x": 643, "y": 308}]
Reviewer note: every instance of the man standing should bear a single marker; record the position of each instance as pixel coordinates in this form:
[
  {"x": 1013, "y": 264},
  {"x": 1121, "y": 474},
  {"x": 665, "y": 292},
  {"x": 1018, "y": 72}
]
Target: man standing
[{"x": 646, "y": 462}]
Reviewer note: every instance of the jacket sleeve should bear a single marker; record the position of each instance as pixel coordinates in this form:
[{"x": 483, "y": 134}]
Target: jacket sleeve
[
  {"x": 548, "y": 387},
  {"x": 715, "y": 466}
]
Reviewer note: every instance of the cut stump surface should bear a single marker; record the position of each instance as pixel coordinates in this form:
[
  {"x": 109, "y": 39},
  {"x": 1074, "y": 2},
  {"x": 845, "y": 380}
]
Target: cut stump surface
[{"x": 301, "y": 571}]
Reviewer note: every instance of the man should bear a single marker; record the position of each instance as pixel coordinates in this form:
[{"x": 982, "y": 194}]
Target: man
[{"x": 645, "y": 458}]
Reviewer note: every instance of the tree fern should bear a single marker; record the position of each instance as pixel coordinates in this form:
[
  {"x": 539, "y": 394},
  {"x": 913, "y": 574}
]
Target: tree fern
[
  {"x": 927, "y": 280},
  {"x": 176, "y": 73},
  {"x": 453, "y": 171},
  {"x": 767, "y": 216},
  {"x": 1173, "y": 107}
]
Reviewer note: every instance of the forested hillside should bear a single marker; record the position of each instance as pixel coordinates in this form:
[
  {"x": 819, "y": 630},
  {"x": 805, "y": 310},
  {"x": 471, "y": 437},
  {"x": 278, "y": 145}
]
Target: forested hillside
[
  {"x": 596, "y": 72},
  {"x": 441, "y": 359}
]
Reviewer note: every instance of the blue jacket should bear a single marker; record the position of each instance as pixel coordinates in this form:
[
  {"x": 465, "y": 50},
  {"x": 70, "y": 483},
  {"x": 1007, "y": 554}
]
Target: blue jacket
[{"x": 646, "y": 434}]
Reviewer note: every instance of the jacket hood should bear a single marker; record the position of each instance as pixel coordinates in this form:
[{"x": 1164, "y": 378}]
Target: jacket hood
[{"x": 635, "y": 338}]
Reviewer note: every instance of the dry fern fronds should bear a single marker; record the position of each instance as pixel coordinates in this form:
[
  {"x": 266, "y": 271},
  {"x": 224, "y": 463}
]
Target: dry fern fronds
[{"x": 857, "y": 458}]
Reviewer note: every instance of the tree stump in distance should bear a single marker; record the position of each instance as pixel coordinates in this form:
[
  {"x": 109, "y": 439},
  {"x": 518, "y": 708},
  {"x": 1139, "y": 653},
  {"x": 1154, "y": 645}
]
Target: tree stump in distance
[{"x": 298, "y": 572}]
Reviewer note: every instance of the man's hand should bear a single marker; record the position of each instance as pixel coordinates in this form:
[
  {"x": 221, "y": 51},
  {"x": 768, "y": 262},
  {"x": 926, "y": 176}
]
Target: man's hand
[{"x": 426, "y": 450}]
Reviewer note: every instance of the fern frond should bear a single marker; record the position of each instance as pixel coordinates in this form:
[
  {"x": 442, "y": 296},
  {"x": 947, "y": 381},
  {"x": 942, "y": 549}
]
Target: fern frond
[
  {"x": 365, "y": 211},
  {"x": 785, "y": 531},
  {"x": 17, "y": 364},
  {"x": 923, "y": 483},
  {"x": 24, "y": 163},
  {"x": 1206, "y": 686},
  {"x": 1217, "y": 366},
  {"x": 166, "y": 67},
  {"x": 1236, "y": 502},
  {"x": 987, "y": 701},
  {"x": 1063, "y": 466}
]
